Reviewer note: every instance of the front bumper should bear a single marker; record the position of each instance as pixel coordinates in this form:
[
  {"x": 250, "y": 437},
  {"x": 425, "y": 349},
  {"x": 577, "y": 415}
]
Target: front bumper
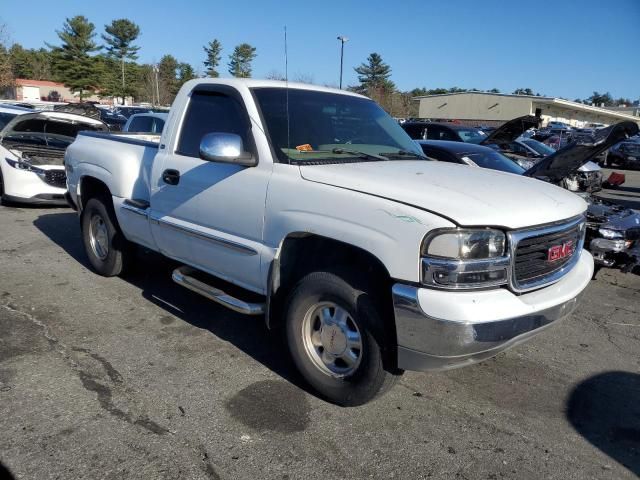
[
  {"x": 23, "y": 186},
  {"x": 441, "y": 330}
]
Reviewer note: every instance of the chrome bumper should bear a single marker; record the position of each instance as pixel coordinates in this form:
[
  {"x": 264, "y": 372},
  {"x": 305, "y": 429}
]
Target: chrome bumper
[{"x": 481, "y": 324}]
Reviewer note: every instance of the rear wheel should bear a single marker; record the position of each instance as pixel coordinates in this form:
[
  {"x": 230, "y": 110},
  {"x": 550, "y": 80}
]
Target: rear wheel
[
  {"x": 335, "y": 333},
  {"x": 108, "y": 251}
]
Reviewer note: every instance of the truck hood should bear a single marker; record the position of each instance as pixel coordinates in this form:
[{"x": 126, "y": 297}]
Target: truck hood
[
  {"x": 512, "y": 130},
  {"x": 467, "y": 196},
  {"x": 567, "y": 160}
]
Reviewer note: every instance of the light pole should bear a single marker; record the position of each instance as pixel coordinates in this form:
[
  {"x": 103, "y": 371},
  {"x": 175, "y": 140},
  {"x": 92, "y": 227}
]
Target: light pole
[
  {"x": 155, "y": 74},
  {"x": 342, "y": 39}
]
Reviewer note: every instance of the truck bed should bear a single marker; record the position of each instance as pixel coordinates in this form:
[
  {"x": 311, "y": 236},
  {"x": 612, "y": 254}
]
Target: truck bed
[{"x": 143, "y": 139}]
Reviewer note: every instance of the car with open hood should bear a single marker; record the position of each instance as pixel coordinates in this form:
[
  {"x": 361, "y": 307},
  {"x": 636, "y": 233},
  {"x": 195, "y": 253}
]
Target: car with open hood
[{"x": 32, "y": 147}]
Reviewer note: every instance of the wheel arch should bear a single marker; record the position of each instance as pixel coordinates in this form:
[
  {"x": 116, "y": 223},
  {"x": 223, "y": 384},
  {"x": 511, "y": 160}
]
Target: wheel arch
[{"x": 301, "y": 253}]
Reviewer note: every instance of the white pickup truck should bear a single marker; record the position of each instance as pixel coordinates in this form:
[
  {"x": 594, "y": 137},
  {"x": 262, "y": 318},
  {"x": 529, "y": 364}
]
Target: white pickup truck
[{"x": 324, "y": 216}]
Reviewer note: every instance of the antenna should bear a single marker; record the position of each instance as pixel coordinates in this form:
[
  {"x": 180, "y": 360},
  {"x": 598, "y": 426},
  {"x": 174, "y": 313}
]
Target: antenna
[{"x": 286, "y": 80}]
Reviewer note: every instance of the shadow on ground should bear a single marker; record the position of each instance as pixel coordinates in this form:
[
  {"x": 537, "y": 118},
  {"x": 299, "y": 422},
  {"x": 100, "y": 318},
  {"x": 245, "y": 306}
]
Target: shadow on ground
[
  {"x": 605, "y": 410},
  {"x": 5, "y": 474},
  {"x": 152, "y": 275}
]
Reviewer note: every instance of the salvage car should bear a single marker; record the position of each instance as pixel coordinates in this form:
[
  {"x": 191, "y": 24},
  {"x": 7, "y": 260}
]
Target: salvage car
[
  {"x": 32, "y": 147},
  {"x": 613, "y": 234},
  {"x": 443, "y": 131},
  {"x": 320, "y": 213},
  {"x": 625, "y": 155}
]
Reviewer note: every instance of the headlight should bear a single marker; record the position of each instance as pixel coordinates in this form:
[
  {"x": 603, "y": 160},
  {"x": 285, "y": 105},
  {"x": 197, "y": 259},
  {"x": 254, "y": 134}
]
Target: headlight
[
  {"x": 465, "y": 244},
  {"x": 24, "y": 165},
  {"x": 606, "y": 233},
  {"x": 463, "y": 259}
]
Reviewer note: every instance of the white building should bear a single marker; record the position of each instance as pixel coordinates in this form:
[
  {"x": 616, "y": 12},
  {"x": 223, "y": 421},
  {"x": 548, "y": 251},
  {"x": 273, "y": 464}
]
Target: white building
[{"x": 496, "y": 108}]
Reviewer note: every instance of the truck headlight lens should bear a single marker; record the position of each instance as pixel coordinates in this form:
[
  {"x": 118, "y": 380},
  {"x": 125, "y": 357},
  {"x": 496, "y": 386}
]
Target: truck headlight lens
[
  {"x": 463, "y": 259},
  {"x": 466, "y": 244}
]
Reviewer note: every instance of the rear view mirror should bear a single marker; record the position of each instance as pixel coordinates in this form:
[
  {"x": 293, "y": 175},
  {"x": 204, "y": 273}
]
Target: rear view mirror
[{"x": 225, "y": 148}]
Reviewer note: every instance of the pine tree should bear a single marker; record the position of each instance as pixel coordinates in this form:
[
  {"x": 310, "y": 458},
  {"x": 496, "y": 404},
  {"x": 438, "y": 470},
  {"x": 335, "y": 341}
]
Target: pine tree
[
  {"x": 213, "y": 49},
  {"x": 72, "y": 61},
  {"x": 374, "y": 75},
  {"x": 240, "y": 60},
  {"x": 167, "y": 80},
  {"x": 119, "y": 38}
]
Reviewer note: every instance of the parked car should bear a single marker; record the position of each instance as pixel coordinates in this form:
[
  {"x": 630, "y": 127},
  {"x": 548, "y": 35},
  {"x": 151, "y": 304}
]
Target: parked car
[
  {"x": 127, "y": 111},
  {"x": 146, "y": 123},
  {"x": 624, "y": 155},
  {"x": 613, "y": 232},
  {"x": 559, "y": 125},
  {"x": 443, "y": 131},
  {"x": 323, "y": 215},
  {"x": 114, "y": 120},
  {"x": 32, "y": 147},
  {"x": 9, "y": 112}
]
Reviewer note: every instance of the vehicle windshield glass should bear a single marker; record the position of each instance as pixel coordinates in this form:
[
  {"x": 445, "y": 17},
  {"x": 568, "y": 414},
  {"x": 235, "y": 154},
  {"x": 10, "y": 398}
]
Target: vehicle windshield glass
[
  {"x": 329, "y": 126},
  {"x": 6, "y": 118},
  {"x": 539, "y": 147},
  {"x": 472, "y": 136},
  {"x": 493, "y": 160},
  {"x": 631, "y": 148}
]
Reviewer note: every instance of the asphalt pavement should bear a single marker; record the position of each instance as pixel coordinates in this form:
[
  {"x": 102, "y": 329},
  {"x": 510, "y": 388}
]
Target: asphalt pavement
[{"x": 138, "y": 378}]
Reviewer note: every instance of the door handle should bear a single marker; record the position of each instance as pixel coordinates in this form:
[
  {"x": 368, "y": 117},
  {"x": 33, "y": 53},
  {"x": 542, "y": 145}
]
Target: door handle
[{"x": 171, "y": 176}]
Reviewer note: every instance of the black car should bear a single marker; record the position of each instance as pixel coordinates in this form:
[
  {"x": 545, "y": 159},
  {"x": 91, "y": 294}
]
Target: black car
[
  {"x": 443, "y": 131},
  {"x": 114, "y": 120},
  {"x": 624, "y": 154},
  {"x": 469, "y": 154}
]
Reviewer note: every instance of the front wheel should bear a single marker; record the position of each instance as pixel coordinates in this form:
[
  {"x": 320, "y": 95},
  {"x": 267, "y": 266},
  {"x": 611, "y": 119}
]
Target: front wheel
[
  {"x": 108, "y": 251},
  {"x": 335, "y": 334}
]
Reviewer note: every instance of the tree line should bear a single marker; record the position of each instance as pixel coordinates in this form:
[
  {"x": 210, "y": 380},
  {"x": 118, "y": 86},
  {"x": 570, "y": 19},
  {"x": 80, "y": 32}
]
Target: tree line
[{"x": 110, "y": 69}]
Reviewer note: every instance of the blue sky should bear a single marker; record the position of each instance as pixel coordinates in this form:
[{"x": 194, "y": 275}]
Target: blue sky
[{"x": 560, "y": 48}]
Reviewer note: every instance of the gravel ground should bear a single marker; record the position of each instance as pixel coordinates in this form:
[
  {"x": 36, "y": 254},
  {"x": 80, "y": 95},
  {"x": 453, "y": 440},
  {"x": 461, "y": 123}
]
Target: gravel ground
[{"x": 136, "y": 377}]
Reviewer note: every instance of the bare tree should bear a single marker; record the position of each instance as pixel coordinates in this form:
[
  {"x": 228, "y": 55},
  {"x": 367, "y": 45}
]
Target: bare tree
[
  {"x": 274, "y": 75},
  {"x": 6, "y": 70},
  {"x": 303, "y": 78}
]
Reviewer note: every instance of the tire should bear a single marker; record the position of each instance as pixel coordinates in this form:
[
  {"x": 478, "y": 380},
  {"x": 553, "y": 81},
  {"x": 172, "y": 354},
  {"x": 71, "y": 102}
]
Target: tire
[
  {"x": 350, "y": 314},
  {"x": 108, "y": 251}
]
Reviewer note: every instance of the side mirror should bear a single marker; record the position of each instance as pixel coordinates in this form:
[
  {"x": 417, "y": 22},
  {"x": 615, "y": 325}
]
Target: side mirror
[{"x": 225, "y": 148}]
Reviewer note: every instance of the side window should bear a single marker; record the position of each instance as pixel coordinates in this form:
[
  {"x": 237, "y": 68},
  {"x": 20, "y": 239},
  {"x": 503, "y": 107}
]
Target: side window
[
  {"x": 210, "y": 112},
  {"x": 433, "y": 132},
  {"x": 416, "y": 132},
  {"x": 158, "y": 125},
  {"x": 446, "y": 134},
  {"x": 438, "y": 155},
  {"x": 141, "y": 124}
]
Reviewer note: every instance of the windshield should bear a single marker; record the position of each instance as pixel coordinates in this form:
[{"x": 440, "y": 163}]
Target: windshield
[
  {"x": 329, "y": 126},
  {"x": 6, "y": 118},
  {"x": 472, "y": 136},
  {"x": 493, "y": 160},
  {"x": 539, "y": 147}
]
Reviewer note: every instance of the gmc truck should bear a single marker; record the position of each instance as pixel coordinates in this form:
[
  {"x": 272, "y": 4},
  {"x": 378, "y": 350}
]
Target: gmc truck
[{"x": 312, "y": 207}]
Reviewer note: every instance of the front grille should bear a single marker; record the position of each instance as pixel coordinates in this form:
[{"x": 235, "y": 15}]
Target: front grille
[
  {"x": 56, "y": 178},
  {"x": 532, "y": 266}
]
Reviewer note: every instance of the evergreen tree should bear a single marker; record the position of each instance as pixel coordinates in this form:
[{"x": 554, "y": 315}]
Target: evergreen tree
[
  {"x": 72, "y": 61},
  {"x": 213, "y": 49},
  {"x": 119, "y": 38},
  {"x": 374, "y": 75},
  {"x": 185, "y": 73},
  {"x": 240, "y": 60},
  {"x": 167, "y": 79}
]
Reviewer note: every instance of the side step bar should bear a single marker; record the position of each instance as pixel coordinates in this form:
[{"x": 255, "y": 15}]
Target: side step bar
[{"x": 184, "y": 276}]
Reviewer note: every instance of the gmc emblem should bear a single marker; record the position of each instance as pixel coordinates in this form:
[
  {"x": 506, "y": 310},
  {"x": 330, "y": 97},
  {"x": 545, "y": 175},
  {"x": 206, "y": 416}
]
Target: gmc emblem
[{"x": 558, "y": 252}]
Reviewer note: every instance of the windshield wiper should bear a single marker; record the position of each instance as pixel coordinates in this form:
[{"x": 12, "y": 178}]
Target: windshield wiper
[
  {"x": 403, "y": 153},
  {"x": 357, "y": 153}
]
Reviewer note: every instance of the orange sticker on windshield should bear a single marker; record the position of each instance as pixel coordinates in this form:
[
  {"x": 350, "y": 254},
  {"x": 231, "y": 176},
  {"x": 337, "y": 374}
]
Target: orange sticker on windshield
[{"x": 304, "y": 148}]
